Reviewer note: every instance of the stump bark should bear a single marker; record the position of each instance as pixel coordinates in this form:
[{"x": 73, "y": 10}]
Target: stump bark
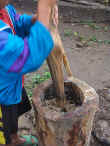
[{"x": 55, "y": 128}]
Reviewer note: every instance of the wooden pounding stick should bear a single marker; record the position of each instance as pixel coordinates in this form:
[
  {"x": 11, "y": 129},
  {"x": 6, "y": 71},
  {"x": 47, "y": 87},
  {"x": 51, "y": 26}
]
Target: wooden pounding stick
[{"x": 55, "y": 62}]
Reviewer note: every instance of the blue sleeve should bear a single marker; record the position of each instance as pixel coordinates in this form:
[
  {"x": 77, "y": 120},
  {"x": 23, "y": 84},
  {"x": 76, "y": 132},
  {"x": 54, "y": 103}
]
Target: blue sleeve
[
  {"x": 22, "y": 23},
  {"x": 19, "y": 56}
]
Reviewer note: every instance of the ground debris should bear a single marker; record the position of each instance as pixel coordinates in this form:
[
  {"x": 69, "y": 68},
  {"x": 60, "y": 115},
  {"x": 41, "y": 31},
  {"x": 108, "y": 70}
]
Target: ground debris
[{"x": 101, "y": 128}]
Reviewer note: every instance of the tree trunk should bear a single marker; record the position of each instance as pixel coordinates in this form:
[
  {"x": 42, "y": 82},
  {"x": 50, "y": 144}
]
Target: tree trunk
[{"x": 55, "y": 128}]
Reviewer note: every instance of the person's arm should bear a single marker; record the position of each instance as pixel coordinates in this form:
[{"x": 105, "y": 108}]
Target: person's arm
[
  {"x": 18, "y": 56},
  {"x": 44, "y": 11},
  {"x": 22, "y": 23}
]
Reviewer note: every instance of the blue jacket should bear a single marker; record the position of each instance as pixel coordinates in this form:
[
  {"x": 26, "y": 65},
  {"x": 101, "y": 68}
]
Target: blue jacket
[{"x": 21, "y": 53}]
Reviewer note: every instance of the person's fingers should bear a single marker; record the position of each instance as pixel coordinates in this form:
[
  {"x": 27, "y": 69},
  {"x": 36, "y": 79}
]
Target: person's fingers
[
  {"x": 34, "y": 19},
  {"x": 55, "y": 16}
]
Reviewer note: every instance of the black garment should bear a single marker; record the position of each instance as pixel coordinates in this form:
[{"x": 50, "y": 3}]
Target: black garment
[{"x": 10, "y": 115}]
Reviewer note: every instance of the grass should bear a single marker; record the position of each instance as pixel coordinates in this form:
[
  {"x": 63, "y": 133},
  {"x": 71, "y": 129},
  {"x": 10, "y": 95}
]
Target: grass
[
  {"x": 36, "y": 79},
  {"x": 94, "y": 26},
  {"x": 68, "y": 32},
  {"x": 85, "y": 39},
  {"x": 91, "y": 39},
  {"x": 91, "y": 24}
]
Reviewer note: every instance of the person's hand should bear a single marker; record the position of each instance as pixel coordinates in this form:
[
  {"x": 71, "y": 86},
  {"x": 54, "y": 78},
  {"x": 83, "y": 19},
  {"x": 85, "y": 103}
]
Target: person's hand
[
  {"x": 50, "y": 3},
  {"x": 44, "y": 11},
  {"x": 34, "y": 18},
  {"x": 54, "y": 16}
]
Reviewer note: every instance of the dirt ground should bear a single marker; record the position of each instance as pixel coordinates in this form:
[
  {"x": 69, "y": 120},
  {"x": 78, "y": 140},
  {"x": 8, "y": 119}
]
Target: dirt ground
[
  {"x": 91, "y": 63},
  {"x": 87, "y": 46}
]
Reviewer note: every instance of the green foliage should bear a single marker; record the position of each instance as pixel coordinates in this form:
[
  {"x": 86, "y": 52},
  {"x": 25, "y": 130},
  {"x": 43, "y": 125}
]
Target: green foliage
[
  {"x": 94, "y": 26},
  {"x": 93, "y": 39},
  {"x": 91, "y": 24},
  {"x": 68, "y": 32},
  {"x": 76, "y": 34},
  {"x": 100, "y": 41},
  {"x": 37, "y": 79},
  {"x": 106, "y": 41},
  {"x": 85, "y": 40},
  {"x": 105, "y": 28},
  {"x": 79, "y": 37},
  {"x": 86, "y": 22},
  {"x": 106, "y": 2},
  {"x": 89, "y": 40}
]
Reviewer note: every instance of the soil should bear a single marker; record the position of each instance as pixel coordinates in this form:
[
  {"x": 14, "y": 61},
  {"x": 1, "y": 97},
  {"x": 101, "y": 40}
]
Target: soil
[{"x": 90, "y": 61}]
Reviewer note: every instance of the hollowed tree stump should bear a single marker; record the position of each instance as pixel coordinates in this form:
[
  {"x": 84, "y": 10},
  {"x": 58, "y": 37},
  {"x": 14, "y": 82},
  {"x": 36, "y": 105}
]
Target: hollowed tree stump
[{"x": 72, "y": 128}]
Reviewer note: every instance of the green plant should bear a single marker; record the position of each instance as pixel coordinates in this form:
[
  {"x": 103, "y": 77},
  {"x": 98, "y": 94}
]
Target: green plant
[
  {"x": 37, "y": 79},
  {"x": 106, "y": 42},
  {"x": 105, "y": 28},
  {"x": 67, "y": 32},
  {"x": 86, "y": 22},
  {"x": 76, "y": 34},
  {"x": 106, "y": 1},
  {"x": 93, "y": 39},
  {"x": 90, "y": 24},
  {"x": 100, "y": 41},
  {"x": 80, "y": 37}
]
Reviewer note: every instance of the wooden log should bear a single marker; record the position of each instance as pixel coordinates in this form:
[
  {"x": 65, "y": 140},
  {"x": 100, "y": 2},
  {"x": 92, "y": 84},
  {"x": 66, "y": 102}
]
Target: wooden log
[{"x": 55, "y": 128}]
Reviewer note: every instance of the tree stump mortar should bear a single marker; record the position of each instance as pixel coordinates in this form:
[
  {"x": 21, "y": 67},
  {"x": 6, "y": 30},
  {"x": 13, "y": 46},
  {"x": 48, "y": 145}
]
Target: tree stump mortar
[{"x": 72, "y": 128}]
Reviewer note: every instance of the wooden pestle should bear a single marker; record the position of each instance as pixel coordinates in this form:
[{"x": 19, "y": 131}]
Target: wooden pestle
[{"x": 55, "y": 62}]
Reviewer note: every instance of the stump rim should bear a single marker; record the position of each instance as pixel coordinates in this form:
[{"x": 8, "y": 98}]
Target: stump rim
[{"x": 91, "y": 99}]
